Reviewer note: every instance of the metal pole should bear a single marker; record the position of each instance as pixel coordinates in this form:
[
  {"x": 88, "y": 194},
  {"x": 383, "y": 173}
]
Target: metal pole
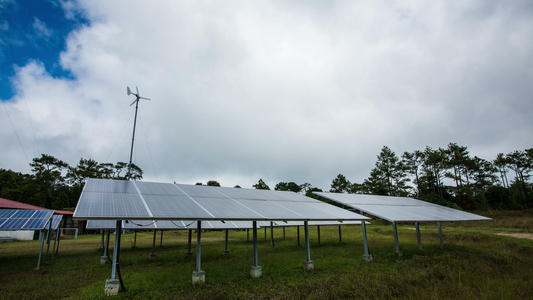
[
  {"x": 161, "y": 243},
  {"x": 418, "y": 236},
  {"x": 41, "y": 236},
  {"x": 55, "y": 242},
  {"x": 340, "y": 234},
  {"x": 134, "y": 239},
  {"x": 128, "y": 175},
  {"x": 102, "y": 241},
  {"x": 256, "y": 263},
  {"x": 58, "y": 242},
  {"x": 118, "y": 229},
  {"x": 307, "y": 246},
  {"x": 298, "y": 233},
  {"x": 318, "y": 231},
  {"x": 440, "y": 235},
  {"x": 247, "y": 235},
  {"x": 49, "y": 233},
  {"x": 271, "y": 234},
  {"x": 367, "y": 255},
  {"x": 265, "y": 234},
  {"x": 153, "y": 244},
  {"x": 190, "y": 240},
  {"x": 283, "y": 232},
  {"x": 395, "y": 231},
  {"x": 199, "y": 247},
  {"x": 106, "y": 249},
  {"x": 226, "y": 246}
]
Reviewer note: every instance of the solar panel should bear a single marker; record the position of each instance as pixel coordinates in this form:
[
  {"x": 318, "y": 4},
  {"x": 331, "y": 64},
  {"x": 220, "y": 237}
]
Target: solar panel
[
  {"x": 168, "y": 225},
  {"x": 401, "y": 209},
  {"x": 12, "y": 219},
  {"x": 106, "y": 199}
]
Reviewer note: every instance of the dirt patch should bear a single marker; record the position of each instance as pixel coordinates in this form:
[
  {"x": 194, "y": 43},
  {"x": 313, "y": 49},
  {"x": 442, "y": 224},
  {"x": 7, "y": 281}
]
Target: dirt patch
[{"x": 519, "y": 235}]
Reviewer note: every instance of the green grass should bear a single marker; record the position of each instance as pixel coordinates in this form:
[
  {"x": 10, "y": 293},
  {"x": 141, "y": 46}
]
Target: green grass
[{"x": 474, "y": 263}]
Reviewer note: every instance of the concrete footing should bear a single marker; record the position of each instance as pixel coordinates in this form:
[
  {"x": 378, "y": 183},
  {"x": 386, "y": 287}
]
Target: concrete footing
[
  {"x": 256, "y": 272},
  {"x": 103, "y": 260},
  {"x": 367, "y": 257},
  {"x": 309, "y": 265},
  {"x": 198, "y": 277},
  {"x": 152, "y": 257},
  {"x": 111, "y": 287}
]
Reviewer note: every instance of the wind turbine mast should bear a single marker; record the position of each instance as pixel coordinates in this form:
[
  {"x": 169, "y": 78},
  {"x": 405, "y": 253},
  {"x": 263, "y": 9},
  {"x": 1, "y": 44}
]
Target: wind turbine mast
[{"x": 136, "y": 101}]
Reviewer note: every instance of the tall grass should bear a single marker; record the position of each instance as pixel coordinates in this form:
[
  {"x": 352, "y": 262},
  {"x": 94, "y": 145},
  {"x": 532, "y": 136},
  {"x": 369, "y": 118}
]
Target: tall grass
[{"x": 474, "y": 263}]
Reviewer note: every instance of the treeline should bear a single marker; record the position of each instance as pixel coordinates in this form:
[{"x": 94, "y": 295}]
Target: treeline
[
  {"x": 446, "y": 176},
  {"x": 449, "y": 176},
  {"x": 55, "y": 184}
]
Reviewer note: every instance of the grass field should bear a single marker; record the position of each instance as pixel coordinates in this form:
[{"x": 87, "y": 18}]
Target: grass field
[{"x": 475, "y": 262}]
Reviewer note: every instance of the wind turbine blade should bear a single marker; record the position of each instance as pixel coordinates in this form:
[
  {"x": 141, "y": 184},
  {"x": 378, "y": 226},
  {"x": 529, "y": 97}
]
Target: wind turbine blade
[
  {"x": 134, "y": 102},
  {"x": 137, "y": 90},
  {"x": 145, "y": 98},
  {"x": 129, "y": 91}
]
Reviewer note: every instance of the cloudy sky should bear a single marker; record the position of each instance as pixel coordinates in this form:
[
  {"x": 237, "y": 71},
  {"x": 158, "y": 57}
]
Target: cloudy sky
[{"x": 280, "y": 90}]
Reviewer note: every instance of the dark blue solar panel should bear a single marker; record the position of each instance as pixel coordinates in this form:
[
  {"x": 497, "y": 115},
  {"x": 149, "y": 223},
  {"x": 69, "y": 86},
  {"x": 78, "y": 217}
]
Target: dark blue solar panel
[
  {"x": 23, "y": 214},
  {"x": 35, "y": 224},
  {"x": 14, "y": 223},
  {"x": 6, "y": 213}
]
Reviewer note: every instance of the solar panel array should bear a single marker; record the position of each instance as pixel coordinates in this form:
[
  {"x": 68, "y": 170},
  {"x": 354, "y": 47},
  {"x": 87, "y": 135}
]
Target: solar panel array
[
  {"x": 401, "y": 209},
  {"x": 13, "y": 219},
  {"x": 168, "y": 224},
  {"x": 56, "y": 220},
  {"x": 105, "y": 199}
]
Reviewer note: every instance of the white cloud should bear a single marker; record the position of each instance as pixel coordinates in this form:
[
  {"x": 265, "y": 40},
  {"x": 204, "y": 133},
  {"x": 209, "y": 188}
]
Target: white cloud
[{"x": 281, "y": 91}]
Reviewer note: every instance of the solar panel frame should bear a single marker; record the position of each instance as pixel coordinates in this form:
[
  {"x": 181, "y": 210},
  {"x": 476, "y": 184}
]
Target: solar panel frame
[
  {"x": 166, "y": 201},
  {"x": 401, "y": 209}
]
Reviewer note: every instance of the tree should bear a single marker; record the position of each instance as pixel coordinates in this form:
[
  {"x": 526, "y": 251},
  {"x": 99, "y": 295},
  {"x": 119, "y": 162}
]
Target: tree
[
  {"x": 412, "y": 163},
  {"x": 389, "y": 176},
  {"x": 213, "y": 183},
  {"x": 340, "y": 184},
  {"x": 261, "y": 185},
  {"x": 288, "y": 186},
  {"x": 48, "y": 172}
]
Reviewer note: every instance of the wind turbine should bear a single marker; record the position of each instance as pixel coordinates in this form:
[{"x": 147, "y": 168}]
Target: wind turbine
[{"x": 136, "y": 101}]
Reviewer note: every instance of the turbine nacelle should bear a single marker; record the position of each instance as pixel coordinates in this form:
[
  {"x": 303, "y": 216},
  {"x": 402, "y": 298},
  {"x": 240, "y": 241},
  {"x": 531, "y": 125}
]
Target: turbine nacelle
[{"x": 129, "y": 92}]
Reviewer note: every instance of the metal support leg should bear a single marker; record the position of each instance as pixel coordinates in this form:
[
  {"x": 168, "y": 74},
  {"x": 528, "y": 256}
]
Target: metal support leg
[
  {"x": 283, "y": 232},
  {"x": 41, "y": 236},
  {"x": 247, "y": 235},
  {"x": 161, "y": 243},
  {"x": 255, "y": 270},
  {"x": 318, "y": 232},
  {"x": 418, "y": 236},
  {"x": 440, "y": 235},
  {"x": 198, "y": 276},
  {"x": 55, "y": 243},
  {"x": 308, "y": 263},
  {"x": 340, "y": 234},
  {"x": 112, "y": 285},
  {"x": 395, "y": 231},
  {"x": 190, "y": 241},
  {"x": 272, "y": 235},
  {"x": 367, "y": 255},
  {"x": 265, "y": 234},
  {"x": 102, "y": 241},
  {"x": 226, "y": 251},
  {"x": 298, "y": 233},
  {"x": 134, "y": 239},
  {"x": 58, "y": 242},
  {"x": 152, "y": 255}
]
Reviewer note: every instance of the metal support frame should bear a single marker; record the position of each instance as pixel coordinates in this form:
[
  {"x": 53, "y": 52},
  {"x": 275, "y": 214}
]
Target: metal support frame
[
  {"x": 161, "y": 243},
  {"x": 367, "y": 255},
  {"x": 134, "y": 238},
  {"x": 41, "y": 237},
  {"x": 152, "y": 255},
  {"x": 272, "y": 235},
  {"x": 112, "y": 285},
  {"x": 307, "y": 246},
  {"x": 199, "y": 247},
  {"x": 396, "y": 243},
  {"x": 340, "y": 234},
  {"x": 226, "y": 241},
  {"x": 440, "y": 234},
  {"x": 418, "y": 238},
  {"x": 318, "y": 232},
  {"x": 256, "y": 262},
  {"x": 190, "y": 242},
  {"x": 283, "y": 232},
  {"x": 102, "y": 241},
  {"x": 298, "y": 234},
  {"x": 55, "y": 243},
  {"x": 48, "y": 236},
  {"x": 265, "y": 234},
  {"x": 308, "y": 263}
]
